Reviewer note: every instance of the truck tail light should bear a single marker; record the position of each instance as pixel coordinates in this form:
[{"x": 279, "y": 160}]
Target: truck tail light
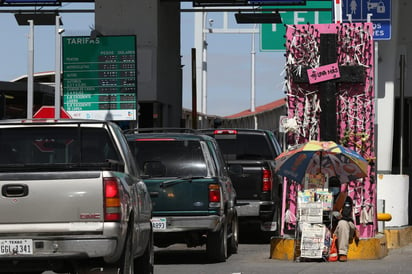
[
  {"x": 225, "y": 131},
  {"x": 266, "y": 180},
  {"x": 112, "y": 208},
  {"x": 214, "y": 195}
]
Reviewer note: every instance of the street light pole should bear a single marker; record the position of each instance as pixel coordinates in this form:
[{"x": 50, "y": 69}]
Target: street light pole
[
  {"x": 201, "y": 43},
  {"x": 204, "y": 69},
  {"x": 253, "y": 73},
  {"x": 57, "y": 73},
  {"x": 30, "y": 71}
]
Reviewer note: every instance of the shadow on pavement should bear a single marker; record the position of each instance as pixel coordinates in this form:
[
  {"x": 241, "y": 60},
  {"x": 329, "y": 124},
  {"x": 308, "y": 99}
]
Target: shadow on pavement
[
  {"x": 180, "y": 254},
  {"x": 251, "y": 234}
]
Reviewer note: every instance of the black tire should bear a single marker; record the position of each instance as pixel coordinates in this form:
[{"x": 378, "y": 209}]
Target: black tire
[
  {"x": 233, "y": 235},
  {"x": 144, "y": 264},
  {"x": 125, "y": 264},
  {"x": 216, "y": 246}
]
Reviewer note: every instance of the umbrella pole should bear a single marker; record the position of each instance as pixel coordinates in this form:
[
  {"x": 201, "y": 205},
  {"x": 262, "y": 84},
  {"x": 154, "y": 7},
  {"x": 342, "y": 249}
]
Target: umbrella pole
[{"x": 320, "y": 162}]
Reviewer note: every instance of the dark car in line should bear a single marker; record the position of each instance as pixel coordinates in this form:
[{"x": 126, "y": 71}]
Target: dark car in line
[
  {"x": 250, "y": 155},
  {"x": 192, "y": 194}
]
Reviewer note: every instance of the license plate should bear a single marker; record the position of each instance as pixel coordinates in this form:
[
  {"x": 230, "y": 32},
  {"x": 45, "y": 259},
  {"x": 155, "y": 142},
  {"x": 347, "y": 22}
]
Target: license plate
[
  {"x": 268, "y": 226},
  {"x": 159, "y": 223},
  {"x": 18, "y": 246}
]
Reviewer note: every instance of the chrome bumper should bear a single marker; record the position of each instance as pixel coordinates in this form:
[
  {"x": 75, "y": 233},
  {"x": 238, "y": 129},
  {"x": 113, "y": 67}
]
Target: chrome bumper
[
  {"x": 64, "y": 248},
  {"x": 190, "y": 223}
]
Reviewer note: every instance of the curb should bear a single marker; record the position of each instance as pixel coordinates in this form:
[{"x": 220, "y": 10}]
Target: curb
[
  {"x": 366, "y": 249},
  {"x": 398, "y": 236}
]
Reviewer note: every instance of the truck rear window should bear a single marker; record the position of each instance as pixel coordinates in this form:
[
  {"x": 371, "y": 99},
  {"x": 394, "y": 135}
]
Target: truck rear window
[
  {"x": 244, "y": 147},
  {"x": 51, "y": 145},
  {"x": 169, "y": 158}
]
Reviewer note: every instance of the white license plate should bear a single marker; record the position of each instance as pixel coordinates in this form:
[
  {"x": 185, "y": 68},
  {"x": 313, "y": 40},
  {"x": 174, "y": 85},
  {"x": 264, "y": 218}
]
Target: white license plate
[
  {"x": 159, "y": 223},
  {"x": 268, "y": 226},
  {"x": 16, "y": 246}
]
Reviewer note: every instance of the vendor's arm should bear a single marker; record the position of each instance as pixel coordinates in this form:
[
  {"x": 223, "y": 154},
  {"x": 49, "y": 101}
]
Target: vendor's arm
[{"x": 340, "y": 200}]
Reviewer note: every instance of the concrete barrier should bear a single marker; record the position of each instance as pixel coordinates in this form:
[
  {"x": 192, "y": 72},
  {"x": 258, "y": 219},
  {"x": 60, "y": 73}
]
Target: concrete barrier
[
  {"x": 398, "y": 237},
  {"x": 366, "y": 249}
]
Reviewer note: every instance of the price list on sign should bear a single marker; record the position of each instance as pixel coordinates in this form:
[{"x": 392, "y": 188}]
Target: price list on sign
[{"x": 99, "y": 77}]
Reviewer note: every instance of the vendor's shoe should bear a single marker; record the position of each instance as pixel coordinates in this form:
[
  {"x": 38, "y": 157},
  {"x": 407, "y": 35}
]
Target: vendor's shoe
[{"x": 343, "y": 258}]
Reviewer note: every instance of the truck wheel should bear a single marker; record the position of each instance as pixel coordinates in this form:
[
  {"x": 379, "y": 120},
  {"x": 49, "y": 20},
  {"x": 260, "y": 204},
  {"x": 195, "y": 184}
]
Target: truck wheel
[
  {"x": 125, "y": 264},
  {"x": 234, "y": 235},
  {"x": 144, "y": 264},
  {"x": 216, "y": 246}
]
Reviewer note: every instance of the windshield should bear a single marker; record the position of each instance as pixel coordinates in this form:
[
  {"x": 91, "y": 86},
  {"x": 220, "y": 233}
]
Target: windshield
[
  {"x": 171, "y": 158},
  {"x": 51, "y": 145}
]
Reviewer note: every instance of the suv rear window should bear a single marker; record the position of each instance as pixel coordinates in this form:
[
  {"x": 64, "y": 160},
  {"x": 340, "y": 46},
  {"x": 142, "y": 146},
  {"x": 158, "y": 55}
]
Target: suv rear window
[
  {"x": 244, "y": 147},
  {"x": 169, "y": 158}
]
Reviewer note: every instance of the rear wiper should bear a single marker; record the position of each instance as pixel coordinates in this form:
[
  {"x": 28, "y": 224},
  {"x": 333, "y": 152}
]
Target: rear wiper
[{"x": 179, "y": 180}]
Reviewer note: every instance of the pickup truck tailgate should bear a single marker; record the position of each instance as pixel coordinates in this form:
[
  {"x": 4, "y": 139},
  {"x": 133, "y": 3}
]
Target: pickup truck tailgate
[
  {"x": 50, "y": 198},
  {"x": 248, "y": 183}
]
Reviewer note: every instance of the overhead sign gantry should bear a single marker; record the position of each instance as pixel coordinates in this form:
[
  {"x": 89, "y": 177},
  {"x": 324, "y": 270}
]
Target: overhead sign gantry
[
  {"x": 30, "y": 2},
  {"x": 211, "y": 3}
]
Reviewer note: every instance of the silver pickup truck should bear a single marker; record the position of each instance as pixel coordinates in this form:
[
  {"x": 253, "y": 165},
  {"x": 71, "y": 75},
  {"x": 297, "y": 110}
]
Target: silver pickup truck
[{"x": 71, "y": 199}]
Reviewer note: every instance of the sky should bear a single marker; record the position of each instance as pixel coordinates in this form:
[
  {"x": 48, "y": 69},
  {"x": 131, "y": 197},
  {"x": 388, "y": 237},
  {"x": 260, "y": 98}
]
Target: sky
[{"x": 228, "y": 58}]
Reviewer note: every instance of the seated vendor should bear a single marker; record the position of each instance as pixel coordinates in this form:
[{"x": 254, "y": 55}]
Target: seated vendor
[{"x": 343, "y": 226}]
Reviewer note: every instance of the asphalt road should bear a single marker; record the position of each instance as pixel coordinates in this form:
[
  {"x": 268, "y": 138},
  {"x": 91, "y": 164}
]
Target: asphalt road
[{"x": 254, "y": 259}]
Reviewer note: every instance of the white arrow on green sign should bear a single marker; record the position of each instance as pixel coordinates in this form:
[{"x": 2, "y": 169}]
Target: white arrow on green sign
[{"x": 272, "y": 35}]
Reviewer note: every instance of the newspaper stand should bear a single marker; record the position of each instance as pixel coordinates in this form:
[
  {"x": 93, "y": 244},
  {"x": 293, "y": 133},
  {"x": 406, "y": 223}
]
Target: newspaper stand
[{"x": 313, "y": 210}]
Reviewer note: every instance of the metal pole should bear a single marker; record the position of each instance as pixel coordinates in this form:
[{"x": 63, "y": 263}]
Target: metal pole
[
  {"x": 198, "y": 35},
  {"x": 194, "y": 90},
  {"x": 338, "y": 11},
  {"x": 201, "y": 45},
  {"x": 204, "y": 69},
  {"x": 402, "y": 95},
  {"x": 30, "y": 71},
  {"x": 57, "y": 73},
  {"x": 252, "y": 76}
]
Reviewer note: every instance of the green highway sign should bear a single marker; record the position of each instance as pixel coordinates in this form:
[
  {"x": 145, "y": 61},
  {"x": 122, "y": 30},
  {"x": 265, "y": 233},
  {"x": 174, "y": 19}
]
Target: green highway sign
[
  {"x": 99, "y": 77},
  {"x": 272, "y": 35}
]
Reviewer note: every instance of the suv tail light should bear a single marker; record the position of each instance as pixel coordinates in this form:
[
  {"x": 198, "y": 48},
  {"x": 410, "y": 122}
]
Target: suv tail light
[
  {"x": 112, "y": 209},
  {"x": 214, "y": 195},
  {"x": 266, "y": 180}
]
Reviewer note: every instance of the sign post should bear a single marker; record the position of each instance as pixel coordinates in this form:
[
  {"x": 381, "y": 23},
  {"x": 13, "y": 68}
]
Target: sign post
[{"x": 338, "y": 11}]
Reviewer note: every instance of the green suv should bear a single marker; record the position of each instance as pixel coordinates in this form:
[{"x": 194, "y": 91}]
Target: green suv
[{"x": 193, "y": 196}]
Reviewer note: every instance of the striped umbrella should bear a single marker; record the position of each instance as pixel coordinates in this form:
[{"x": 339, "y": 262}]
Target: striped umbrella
[{"x": 321, "y": 157}]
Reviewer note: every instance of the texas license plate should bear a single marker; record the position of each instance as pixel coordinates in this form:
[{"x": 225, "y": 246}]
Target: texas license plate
[
  {"x": 159, "y": 223},
  {"x": 17, "y": 246}
]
